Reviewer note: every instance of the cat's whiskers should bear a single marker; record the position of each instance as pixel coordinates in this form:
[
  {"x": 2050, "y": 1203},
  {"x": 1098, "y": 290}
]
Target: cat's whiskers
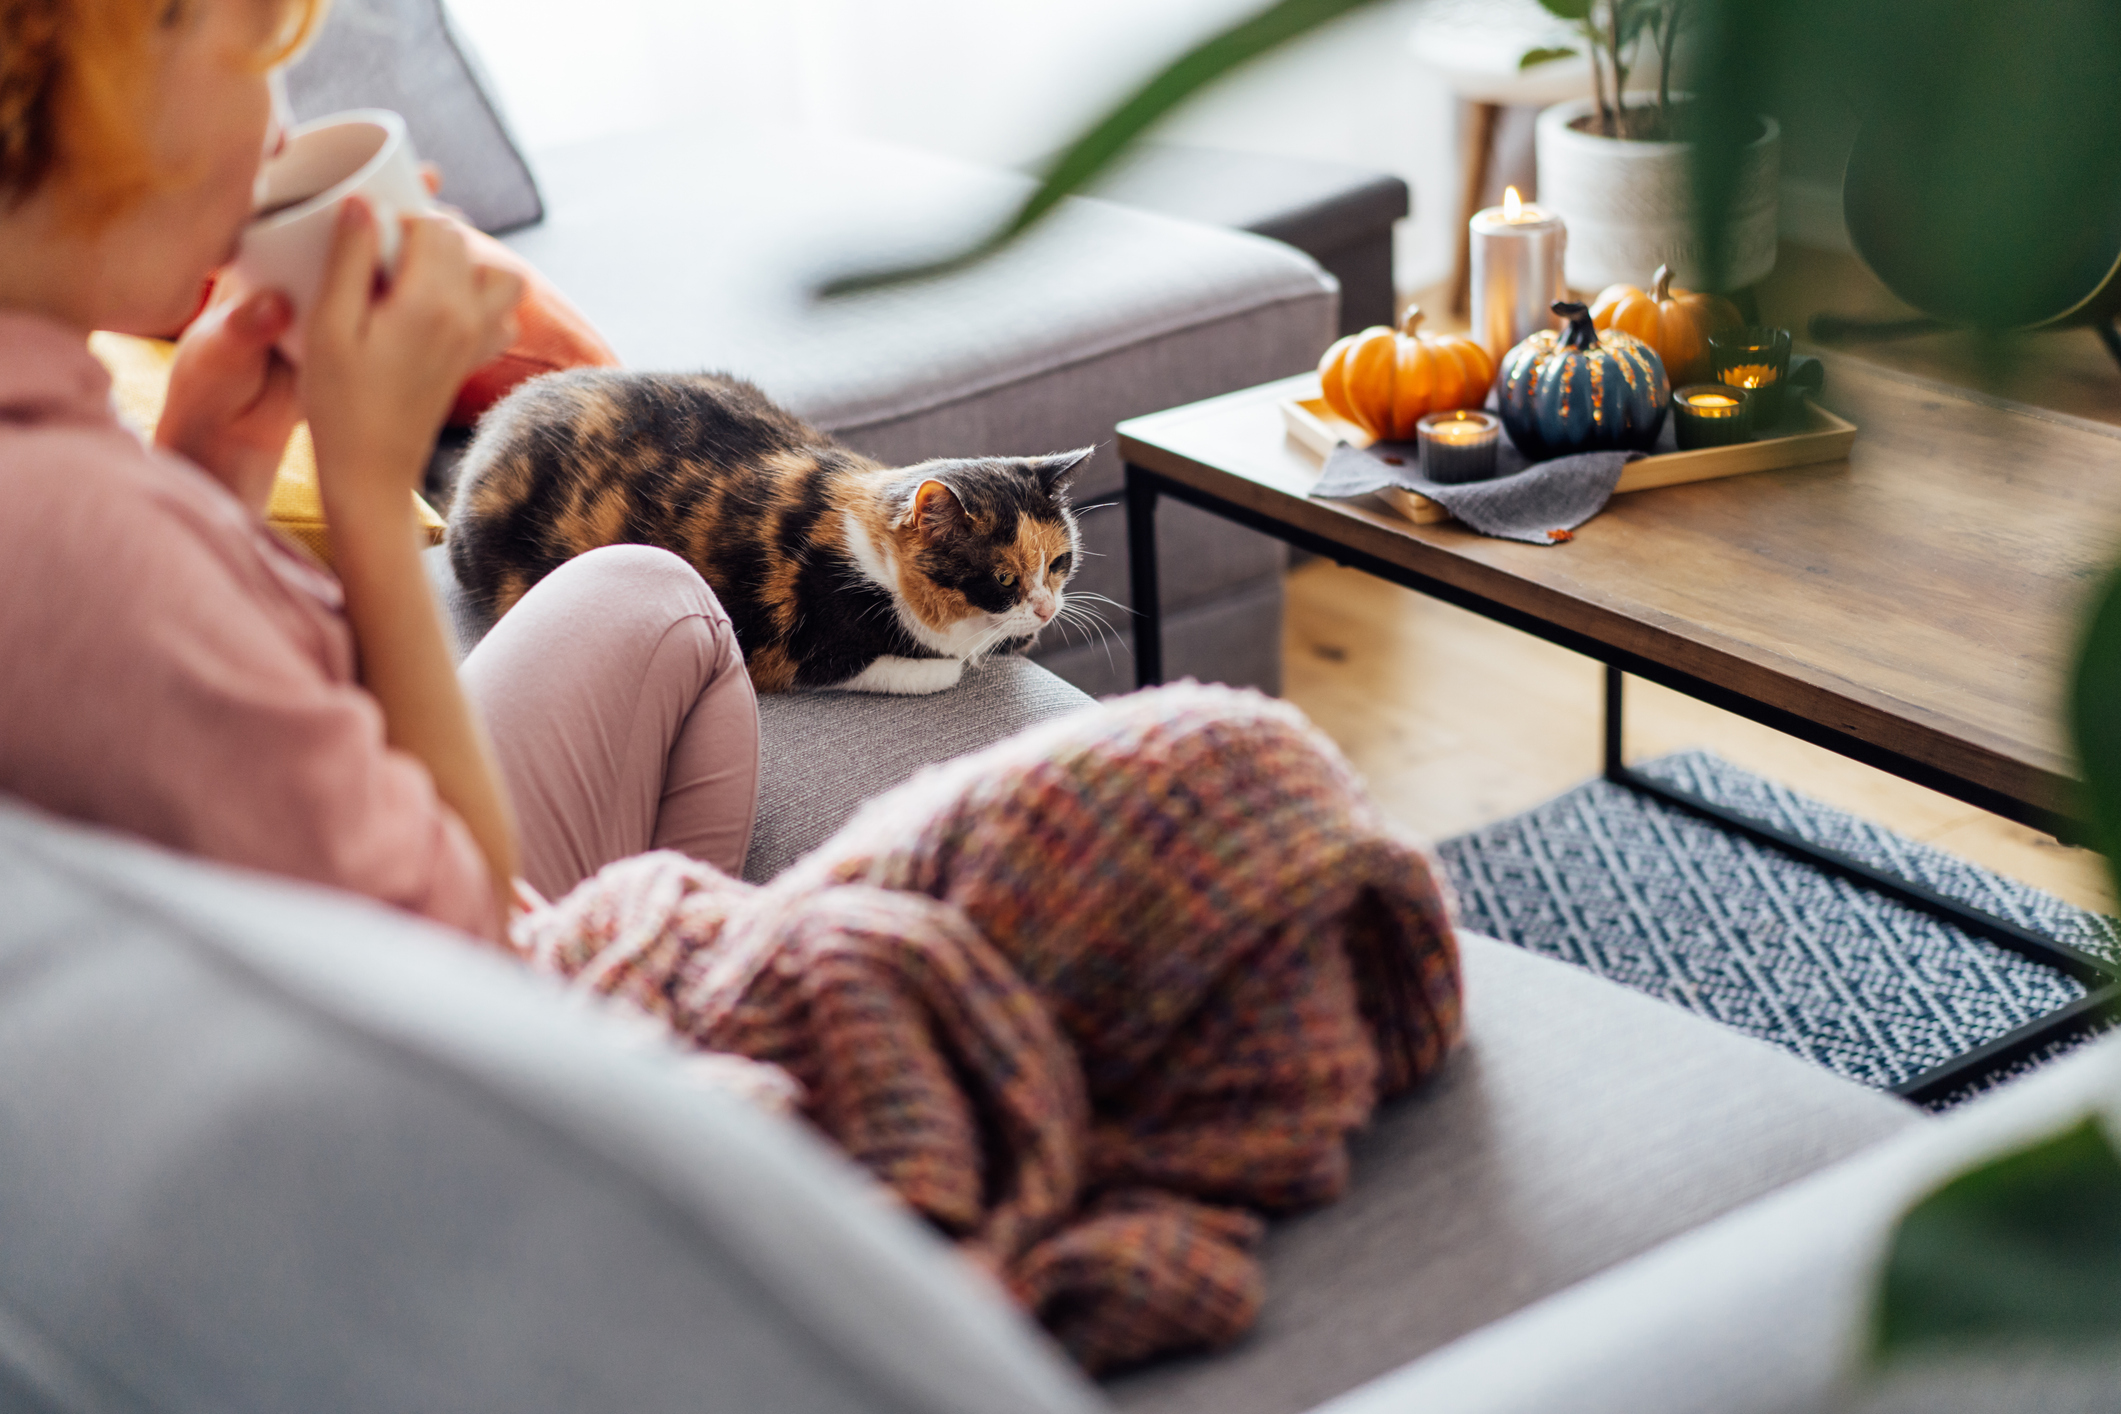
[
  {"x": 1007, "y": 628},
  {"x": 1081, "y": 604},
  {"x": 1074, "y": 612},
  {"x": 1083, "y": 616}
]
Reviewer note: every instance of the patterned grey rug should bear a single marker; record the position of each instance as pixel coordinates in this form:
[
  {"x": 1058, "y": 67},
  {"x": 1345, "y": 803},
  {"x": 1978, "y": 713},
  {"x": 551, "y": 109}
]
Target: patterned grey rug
[{"x": 1667, "y": 903}]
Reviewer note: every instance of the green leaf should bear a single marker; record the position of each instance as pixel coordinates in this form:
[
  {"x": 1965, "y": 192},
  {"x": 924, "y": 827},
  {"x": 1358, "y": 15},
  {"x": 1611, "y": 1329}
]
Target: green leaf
[
  {"x": 1111, "y": 135},
  {"x": 1993, "y": 186},
  {"x": 2024, "y": 1250},
  {"x": 1569, "y": 9},
  {"x": 1535, "y": 57},
  {"x": 1637, "y": 17}
]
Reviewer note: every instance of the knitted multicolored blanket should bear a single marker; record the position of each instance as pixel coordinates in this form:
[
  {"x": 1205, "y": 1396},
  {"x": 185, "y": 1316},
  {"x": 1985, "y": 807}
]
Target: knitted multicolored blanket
[{"x": 1091, "y": 1001}]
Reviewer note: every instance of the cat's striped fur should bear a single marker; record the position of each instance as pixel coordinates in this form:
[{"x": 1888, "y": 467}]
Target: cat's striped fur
[{"x": 836, "y": 570}]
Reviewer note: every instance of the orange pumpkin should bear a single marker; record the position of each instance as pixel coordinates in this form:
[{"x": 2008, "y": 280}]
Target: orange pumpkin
[
  {"x": 1676, "y": 323},
  {"x": 1385, "y": 380}
]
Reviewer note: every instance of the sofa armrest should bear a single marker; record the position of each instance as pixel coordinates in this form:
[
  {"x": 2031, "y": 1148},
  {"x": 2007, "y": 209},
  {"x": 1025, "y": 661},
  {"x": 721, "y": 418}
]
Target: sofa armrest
[
  {"x": 271, "y": 1147},
  {"x": 1764, "y": 1310}
]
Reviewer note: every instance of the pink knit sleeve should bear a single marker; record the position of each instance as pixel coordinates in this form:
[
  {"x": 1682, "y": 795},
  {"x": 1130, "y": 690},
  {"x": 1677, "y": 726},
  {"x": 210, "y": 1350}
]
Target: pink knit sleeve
[{"x": 162, "y": 679}]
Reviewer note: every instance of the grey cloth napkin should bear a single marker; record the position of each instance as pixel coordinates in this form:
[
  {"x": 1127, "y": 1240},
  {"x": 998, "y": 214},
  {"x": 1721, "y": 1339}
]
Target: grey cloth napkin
[{"x": 1528, "y": 502}]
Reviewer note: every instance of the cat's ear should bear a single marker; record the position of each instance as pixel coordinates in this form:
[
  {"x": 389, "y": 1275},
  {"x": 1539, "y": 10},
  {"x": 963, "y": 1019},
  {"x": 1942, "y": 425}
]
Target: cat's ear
[
  {"x": 1055, "y": 472},
  {"x": 934, "y": 510}
]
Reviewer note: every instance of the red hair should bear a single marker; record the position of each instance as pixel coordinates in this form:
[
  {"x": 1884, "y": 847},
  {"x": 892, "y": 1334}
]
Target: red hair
[{"x": 73, "y": 79}]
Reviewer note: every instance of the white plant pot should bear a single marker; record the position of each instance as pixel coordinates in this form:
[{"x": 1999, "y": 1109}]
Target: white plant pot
[{"x": 1629, "y": 206}]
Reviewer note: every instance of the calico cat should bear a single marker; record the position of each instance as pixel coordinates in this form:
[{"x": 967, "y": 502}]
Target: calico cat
[{"x": 837, "y": 571}]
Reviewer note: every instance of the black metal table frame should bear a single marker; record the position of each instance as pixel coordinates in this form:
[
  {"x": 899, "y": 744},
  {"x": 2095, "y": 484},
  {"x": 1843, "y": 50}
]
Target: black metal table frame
[{"x": 2101, "y": 979}]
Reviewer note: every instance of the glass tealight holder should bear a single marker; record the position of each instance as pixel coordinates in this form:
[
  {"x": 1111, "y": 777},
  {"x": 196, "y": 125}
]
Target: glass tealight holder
[
  {"x": 1757, "y": 360},
  {"x": 1711, "y": 415},
  {"x": 1458, "y": 446}
]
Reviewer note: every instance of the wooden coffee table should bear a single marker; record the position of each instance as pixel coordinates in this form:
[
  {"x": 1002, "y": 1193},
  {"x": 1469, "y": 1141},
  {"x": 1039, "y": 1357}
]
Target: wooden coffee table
[{"x": 1914, "y": 607}]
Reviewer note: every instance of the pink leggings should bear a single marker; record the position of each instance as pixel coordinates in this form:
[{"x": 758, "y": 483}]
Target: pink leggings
[{"x": 623, "y": 718}]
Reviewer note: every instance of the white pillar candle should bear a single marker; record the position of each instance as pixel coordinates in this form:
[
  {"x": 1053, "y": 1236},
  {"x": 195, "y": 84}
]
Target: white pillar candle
[{"x": 1517, "y": 255}]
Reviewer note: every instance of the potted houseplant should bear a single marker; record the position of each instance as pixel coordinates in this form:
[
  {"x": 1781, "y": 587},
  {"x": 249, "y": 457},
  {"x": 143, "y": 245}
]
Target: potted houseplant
[{"x": 1618, "y": 166}]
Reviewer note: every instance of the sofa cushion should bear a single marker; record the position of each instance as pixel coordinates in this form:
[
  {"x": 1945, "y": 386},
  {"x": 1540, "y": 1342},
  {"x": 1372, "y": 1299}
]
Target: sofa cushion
[
  {"x": 691, "y": 248},
  {"x": 271, "y": 1148},
  {"x": 1304, "y": 202},
  {"x": 1340, "y": 216},
  {"x": 1580, "y": 1124},
  {"x": 821, "y": 754},
  {"x": 406, "y": 56}
]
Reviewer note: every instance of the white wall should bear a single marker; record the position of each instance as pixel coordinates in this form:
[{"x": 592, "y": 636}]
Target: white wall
[{"x": 998, "y": 81}]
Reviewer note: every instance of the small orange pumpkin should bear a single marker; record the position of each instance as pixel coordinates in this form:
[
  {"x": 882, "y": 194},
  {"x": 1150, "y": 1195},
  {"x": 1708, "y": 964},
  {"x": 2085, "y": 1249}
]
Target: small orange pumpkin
[
  {"x": 1386, "y": 380},
  {"x": 1676, "y": 323}
]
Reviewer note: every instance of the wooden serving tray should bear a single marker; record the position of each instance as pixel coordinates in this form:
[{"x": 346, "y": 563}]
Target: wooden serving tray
[{"x": 1823, "y": 438}]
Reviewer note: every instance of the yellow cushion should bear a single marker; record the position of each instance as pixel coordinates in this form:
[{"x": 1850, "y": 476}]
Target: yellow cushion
[{"x": 139, "y": 370}]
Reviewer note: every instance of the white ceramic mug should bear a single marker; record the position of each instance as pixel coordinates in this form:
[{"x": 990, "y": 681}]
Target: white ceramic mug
[{"x": 366, "y": 153}]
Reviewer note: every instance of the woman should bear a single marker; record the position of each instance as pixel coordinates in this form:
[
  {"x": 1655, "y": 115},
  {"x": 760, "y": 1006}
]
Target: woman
[
  {"x": 1085, "y": 1084},
  {"x": 171, "y": 668}
]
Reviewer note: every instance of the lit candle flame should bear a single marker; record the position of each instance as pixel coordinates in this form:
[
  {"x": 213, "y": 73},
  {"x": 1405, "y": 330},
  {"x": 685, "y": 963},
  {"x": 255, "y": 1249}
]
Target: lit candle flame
[
  {"x": 1750, "y": 375},
  {"x": 1512, "y": 204}
]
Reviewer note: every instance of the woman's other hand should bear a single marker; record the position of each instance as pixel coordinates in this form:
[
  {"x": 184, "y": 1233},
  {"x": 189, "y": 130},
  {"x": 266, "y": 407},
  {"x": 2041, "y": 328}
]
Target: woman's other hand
[
  {"x": 382, "y": 365},
  {"x": 232, "y": 402}
]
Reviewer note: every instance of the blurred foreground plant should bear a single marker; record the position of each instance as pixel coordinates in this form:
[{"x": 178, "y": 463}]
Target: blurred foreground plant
[
  {"x": 2001, "y": 1290},
  {"x": 2020, "y": 1254},
  {"x": 2001, "y": 120}
]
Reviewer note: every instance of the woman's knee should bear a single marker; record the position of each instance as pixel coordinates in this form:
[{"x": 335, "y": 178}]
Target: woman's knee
[
  {"x": 643, "y": 582},
  {"x": 643, "y": 571},
  {"x": 612, "y": 607}
]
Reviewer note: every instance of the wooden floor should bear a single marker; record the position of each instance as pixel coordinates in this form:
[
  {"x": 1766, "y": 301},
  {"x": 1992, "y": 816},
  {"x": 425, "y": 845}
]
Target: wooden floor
[{"x": 1456, "y": 722}]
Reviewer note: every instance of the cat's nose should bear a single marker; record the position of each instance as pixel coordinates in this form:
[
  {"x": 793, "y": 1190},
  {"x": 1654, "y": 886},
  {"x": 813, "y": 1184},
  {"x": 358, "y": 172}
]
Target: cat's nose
[{"x": 1044, "y": 608}]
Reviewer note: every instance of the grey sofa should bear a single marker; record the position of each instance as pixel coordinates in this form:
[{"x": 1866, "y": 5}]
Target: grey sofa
[
  {"x": 270, "y": 1148},
  {"x": 264, "y": 1147}
]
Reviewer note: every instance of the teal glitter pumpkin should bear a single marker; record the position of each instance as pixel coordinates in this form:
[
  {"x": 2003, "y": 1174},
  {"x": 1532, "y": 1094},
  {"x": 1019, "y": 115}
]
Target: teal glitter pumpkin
[{"x": 1576, "y": 390}]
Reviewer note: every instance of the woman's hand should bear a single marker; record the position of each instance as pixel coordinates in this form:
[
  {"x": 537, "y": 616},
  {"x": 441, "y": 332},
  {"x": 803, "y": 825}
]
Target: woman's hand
[
  {"x": 232, "y": 400},
  {"x": 381, "y": 369}
]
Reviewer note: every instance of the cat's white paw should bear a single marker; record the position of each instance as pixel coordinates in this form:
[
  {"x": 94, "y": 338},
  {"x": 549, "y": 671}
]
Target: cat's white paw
[{"x": 906, "y": 677}]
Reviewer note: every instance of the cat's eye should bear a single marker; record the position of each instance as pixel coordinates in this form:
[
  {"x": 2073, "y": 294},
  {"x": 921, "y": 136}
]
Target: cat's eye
[
  {"x": 1059, "y": 565},
  {"x": 1006, "y": 578}
]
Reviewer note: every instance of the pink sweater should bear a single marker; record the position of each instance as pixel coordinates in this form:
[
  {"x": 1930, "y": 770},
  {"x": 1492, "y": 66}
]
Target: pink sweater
[{"x": 169, "y": 668}]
